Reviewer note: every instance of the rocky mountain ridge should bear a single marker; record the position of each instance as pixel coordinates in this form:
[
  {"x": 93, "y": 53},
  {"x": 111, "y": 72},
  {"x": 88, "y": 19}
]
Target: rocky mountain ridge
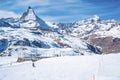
[
  {"x": 90, "y": 36},
  {"x": 31, "y": 35},
  {"x": 102, "y": 33}
]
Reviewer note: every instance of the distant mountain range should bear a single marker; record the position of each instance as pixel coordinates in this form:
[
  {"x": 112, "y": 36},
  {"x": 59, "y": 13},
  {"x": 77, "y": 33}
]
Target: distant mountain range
[
  {"x": 102, "y": 33},
  {"x": 30, "y": 34}
]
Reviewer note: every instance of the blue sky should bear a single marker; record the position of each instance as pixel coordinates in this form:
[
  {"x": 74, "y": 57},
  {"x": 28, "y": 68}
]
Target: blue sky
[{"x": 62, "y": 11}]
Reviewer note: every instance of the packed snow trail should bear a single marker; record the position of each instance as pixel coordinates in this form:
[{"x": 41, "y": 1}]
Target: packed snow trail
[{"x": 65, "y": 68}]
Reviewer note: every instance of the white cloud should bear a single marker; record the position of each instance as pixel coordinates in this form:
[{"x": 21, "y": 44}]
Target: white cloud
[
  {"x": 32, "y": 2},
  {"x": 51, "y": 18},
  {"x": 70, "y": 1},
  {"x": 66, "y": 10},
  {"x": 68, "y": 18},
  {"x": 6, "y": 14}
]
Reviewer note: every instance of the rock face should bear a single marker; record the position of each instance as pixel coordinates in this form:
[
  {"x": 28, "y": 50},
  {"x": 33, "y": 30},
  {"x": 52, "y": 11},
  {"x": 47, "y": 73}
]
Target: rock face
[
  {"x": 94, "y": 49},
  {"x": 3, "y": 45},
  {"x": 108, "y": 44},
  {"x": 35, "y": 43},
  {"x": 4, "y": 24}
]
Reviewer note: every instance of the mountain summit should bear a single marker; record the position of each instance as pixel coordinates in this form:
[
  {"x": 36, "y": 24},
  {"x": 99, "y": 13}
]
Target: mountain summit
[
  {"x": 28, "y": 15},
  {"x": 30, "y": 20}
]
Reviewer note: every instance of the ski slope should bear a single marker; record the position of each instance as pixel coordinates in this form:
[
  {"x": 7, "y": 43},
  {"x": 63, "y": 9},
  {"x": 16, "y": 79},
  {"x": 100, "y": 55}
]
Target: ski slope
[{"x": 100, "y": 67}]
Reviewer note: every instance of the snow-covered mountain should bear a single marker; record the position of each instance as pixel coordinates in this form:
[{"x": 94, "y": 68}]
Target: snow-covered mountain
[
  {"x": 13, "y": 22},
  {"x": 30, "y": 34},
  {"x": 102, "y": 33},
  {"x": 4, "y": 24},
  {"x": 30, "y": 20},
  {"x": 87, "y": 27}
]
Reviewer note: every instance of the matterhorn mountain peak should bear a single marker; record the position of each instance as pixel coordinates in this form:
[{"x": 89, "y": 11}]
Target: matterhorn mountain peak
[
  {"x": 28, "y": 15},
  {"x": 31, "y": 20},
  {"x": 29, "y": 7}
]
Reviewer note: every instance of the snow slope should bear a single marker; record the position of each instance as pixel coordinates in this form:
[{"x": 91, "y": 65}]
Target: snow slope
[
  {"x": 102, "y": 67},
  {"x": 13, "y": 40}
]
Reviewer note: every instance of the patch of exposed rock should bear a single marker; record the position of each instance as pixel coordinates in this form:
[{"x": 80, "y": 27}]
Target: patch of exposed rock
[{"x": 108, "y": 44}]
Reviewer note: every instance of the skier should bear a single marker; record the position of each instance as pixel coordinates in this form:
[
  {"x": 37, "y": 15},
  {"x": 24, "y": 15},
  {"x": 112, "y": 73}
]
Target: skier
[{"x": 33, "y": 64}]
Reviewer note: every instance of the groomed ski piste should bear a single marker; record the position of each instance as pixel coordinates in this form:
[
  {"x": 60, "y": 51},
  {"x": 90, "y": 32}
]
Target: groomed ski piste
[{"x": 89, "y": 67}]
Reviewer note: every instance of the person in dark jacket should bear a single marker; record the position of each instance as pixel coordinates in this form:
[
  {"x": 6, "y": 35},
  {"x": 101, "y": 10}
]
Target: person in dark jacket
[{"x": 33, "y": 64}]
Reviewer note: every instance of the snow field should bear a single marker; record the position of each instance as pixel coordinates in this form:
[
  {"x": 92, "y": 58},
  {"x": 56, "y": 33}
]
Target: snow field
[{"x": 102, "y": 67}]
